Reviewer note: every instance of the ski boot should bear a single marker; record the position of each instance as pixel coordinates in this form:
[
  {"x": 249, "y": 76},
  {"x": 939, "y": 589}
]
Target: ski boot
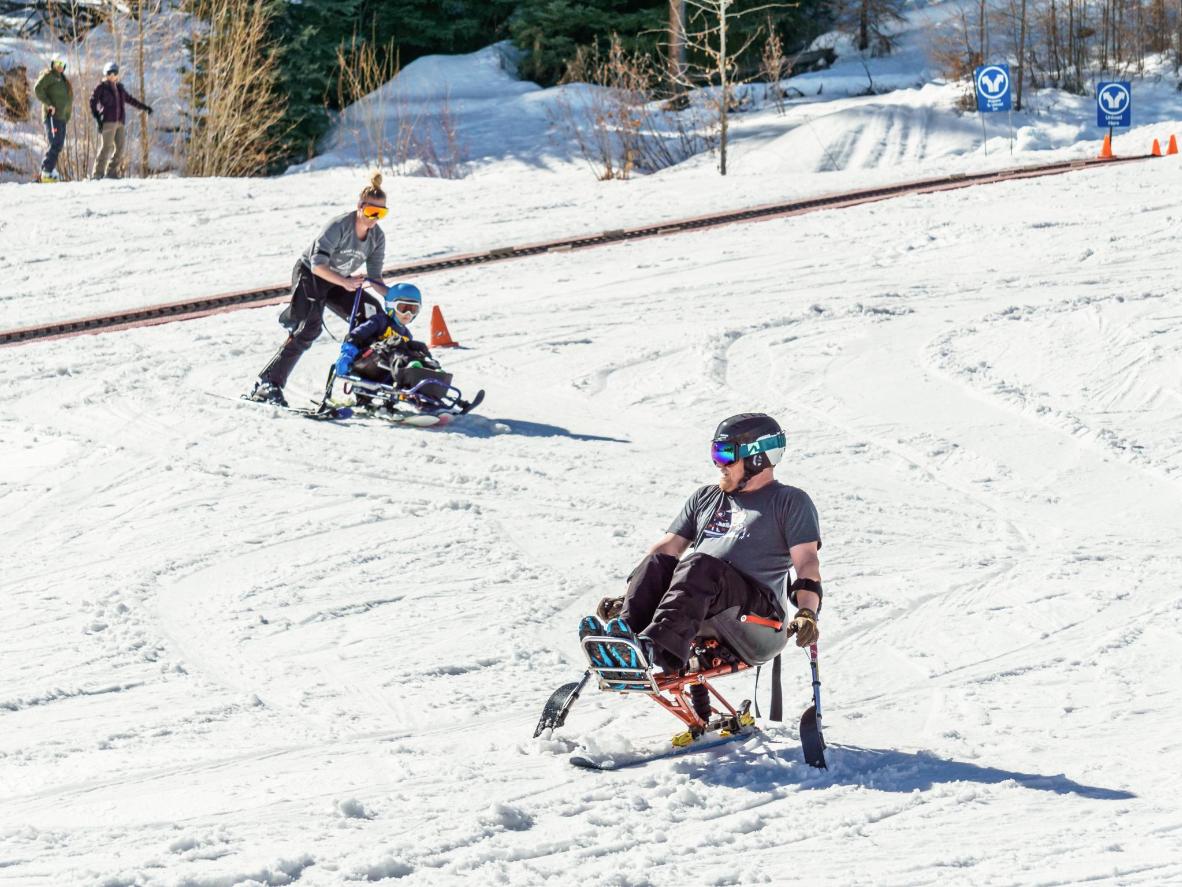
[{"x": 265, "y": 392}]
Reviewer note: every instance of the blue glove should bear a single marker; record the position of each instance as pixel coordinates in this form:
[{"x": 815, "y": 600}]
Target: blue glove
[{"x": 349, "y": 353}]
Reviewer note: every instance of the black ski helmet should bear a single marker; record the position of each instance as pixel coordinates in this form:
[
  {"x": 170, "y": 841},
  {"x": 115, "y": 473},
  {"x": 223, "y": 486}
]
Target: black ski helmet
[{"x": 756, "y": 438}]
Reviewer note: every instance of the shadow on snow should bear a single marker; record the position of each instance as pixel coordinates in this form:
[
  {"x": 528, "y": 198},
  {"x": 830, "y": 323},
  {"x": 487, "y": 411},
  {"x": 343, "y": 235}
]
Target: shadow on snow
[
  {"x": 473, "y": 425},
  {"x": 879, "y": 769}
]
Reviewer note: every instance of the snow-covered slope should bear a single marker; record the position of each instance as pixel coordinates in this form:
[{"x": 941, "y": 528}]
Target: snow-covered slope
[{"x": 239, "y": 647}]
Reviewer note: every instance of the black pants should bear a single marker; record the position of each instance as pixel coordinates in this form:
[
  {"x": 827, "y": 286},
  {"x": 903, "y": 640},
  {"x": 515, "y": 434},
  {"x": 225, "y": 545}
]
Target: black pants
[
  {"x": 305, "y": 318},
  {"x": 55, "y": 131},
  {"x": 670, "y": 600}
]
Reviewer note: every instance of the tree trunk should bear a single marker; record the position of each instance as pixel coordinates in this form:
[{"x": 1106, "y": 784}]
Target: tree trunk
[
  {"x": 139, "y": 52},
  {"x": 1021, "y": 54},
  {"x": 676, "y": 45},
  {"x": 1056, "y": 58},
  {"x": 1178, "y": 51},
  {"x": 725, "y": 102},
  {"x": 983, "y": 31}
]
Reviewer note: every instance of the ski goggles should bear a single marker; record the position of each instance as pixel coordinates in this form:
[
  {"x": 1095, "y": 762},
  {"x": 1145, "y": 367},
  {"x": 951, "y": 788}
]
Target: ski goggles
[
  {"x": 374, "y": 212},
  {"x": 411, "y": 308},
  {"x": 727, "y": 452}
]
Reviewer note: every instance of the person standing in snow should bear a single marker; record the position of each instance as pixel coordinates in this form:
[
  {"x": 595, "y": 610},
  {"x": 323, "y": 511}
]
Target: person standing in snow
[
  {"x": 747, "y": 532},
  {"x": 108, "y": 104},
  {"x": 54, "y": 91},
  {"x": 326, "y": 274}
]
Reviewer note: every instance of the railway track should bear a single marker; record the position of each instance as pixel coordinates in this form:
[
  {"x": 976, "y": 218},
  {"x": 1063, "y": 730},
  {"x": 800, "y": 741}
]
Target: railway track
[{"x": 192, "y": 309}]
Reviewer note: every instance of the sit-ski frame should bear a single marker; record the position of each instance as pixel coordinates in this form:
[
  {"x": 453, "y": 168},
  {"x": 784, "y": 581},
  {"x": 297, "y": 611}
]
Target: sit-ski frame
[
  {"x": 670, "y": 691},
  {"x": 624, "y": 671},
  {"x": 450, "y": 400}
]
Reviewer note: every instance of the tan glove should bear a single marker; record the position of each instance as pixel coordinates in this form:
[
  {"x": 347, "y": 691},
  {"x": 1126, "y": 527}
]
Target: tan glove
[
  {"x": 804, "y": 623},
  {"x": 609, "y": 608}
]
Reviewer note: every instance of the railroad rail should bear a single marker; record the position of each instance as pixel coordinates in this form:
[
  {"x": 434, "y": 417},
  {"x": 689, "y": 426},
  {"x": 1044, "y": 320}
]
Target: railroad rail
[{"x": 192, "y": 309}]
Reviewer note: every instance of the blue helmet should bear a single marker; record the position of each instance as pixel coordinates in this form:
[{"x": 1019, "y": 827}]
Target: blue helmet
[{"x": 405, "y": 294}]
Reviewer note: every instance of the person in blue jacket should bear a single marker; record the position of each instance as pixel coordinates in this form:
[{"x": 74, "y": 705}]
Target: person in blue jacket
[{"x": 390, "y": 331}]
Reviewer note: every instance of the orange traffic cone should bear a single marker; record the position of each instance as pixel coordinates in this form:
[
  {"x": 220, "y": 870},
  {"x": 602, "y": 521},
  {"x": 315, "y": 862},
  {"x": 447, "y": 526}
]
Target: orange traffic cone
[
  {"x": 1106, "y": 151},
  {"x": 1156, "y": 152},
  {"x": 1172, "y": 147},
  {"x": 440, "y": 337}
]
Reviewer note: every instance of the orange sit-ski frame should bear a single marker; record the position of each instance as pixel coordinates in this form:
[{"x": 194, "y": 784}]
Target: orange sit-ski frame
[{"x": 678, "y": 702}]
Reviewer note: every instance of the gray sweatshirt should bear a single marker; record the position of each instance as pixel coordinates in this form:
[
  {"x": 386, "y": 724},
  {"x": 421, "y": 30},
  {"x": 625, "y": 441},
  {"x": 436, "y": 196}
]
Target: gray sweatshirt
[{"x": 338, "y": 247}]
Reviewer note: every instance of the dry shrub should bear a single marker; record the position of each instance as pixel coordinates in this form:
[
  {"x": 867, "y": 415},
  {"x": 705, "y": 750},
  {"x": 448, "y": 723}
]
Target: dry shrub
[
  {"x": 609, "y": 112},
  {"x": 234, "y": 102},
  {"x": 773, "y": 66},
  {"x": 390, "y": 131}
]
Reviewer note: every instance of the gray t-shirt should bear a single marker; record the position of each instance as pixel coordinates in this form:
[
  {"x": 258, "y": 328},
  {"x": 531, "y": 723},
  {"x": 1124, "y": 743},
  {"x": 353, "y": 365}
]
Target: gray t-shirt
[
  {"x": 339, "y": 247},
  {"x": 751, "y": 531}
]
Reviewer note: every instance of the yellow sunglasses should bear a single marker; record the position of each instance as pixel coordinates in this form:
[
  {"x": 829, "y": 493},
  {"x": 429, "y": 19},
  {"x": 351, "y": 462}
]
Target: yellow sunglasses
[{"x": 374, "y": 212}]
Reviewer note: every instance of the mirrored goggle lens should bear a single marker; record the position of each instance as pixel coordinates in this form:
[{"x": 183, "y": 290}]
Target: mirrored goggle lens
[
  {"x": 374, "y": 212},
  {"x": 724, "y": 452},
  {"x": 406, "y": 307}
]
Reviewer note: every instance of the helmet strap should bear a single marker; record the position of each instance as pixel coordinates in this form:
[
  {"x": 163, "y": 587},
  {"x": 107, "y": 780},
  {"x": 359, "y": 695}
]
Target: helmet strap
[{"x": 752, "y": 465}]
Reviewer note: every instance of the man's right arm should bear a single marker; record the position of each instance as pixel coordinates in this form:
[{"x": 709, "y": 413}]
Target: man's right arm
[{"x": 671, "y": 544}]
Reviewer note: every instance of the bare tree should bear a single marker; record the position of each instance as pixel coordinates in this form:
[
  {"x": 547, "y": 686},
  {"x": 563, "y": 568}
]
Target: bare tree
[
  {"x": 391, "y": 131},
  {"x": 706, "y": 34},
  {"x": 676, "y": 44},
  {"x": 1021, "y": 55},
  {"x": 773, "y": 65},
  {"x": 869, "y": 21},
  {"x": 363, "y": 68},
  {"x": 234, "y": 101},
  {"x": 608, "y": 110}
]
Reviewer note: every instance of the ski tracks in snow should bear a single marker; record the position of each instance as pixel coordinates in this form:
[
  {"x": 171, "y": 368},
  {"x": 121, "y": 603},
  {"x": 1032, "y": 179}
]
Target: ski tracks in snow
[{"x": 241, "y": 646}]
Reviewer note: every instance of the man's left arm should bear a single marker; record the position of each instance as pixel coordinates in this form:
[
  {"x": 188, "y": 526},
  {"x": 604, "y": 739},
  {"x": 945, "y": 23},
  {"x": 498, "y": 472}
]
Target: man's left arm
[{"x": 808, "y": 568}]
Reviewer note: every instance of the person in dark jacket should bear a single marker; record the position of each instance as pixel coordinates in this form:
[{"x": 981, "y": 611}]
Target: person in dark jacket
[
  {"x": 326, "y": 275},
  {"x": 54, "y": 91},
  {"x": 391, "y": 329},
  {"x": 108, "y": 104}
]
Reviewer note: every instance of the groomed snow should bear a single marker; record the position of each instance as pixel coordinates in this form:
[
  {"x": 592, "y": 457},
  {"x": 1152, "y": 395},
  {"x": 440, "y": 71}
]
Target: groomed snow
[
  {"x": 243, "y": 647},
  {"x": 238, "y": 647}
]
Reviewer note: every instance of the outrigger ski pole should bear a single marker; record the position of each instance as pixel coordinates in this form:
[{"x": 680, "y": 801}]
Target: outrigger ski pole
[
  {"x": 559, "y": 704},
  {"x": 332, "y": 370},
  {"x": 811, "y": 738}
]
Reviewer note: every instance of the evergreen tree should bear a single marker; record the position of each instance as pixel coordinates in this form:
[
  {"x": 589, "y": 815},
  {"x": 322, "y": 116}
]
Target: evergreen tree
[
  {"x": 551, "y": 31},
  {"x": 309, "y": 34},
  {"x": 311, "y": 31},
  {"x": 426, "y": 27}
]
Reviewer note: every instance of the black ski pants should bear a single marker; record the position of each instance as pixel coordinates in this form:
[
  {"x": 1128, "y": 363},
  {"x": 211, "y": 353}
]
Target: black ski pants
[
  {"x": 55, "y": 132},
  {"x": 669, "y": 600},
  {"x": 305, "y": 318}
]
